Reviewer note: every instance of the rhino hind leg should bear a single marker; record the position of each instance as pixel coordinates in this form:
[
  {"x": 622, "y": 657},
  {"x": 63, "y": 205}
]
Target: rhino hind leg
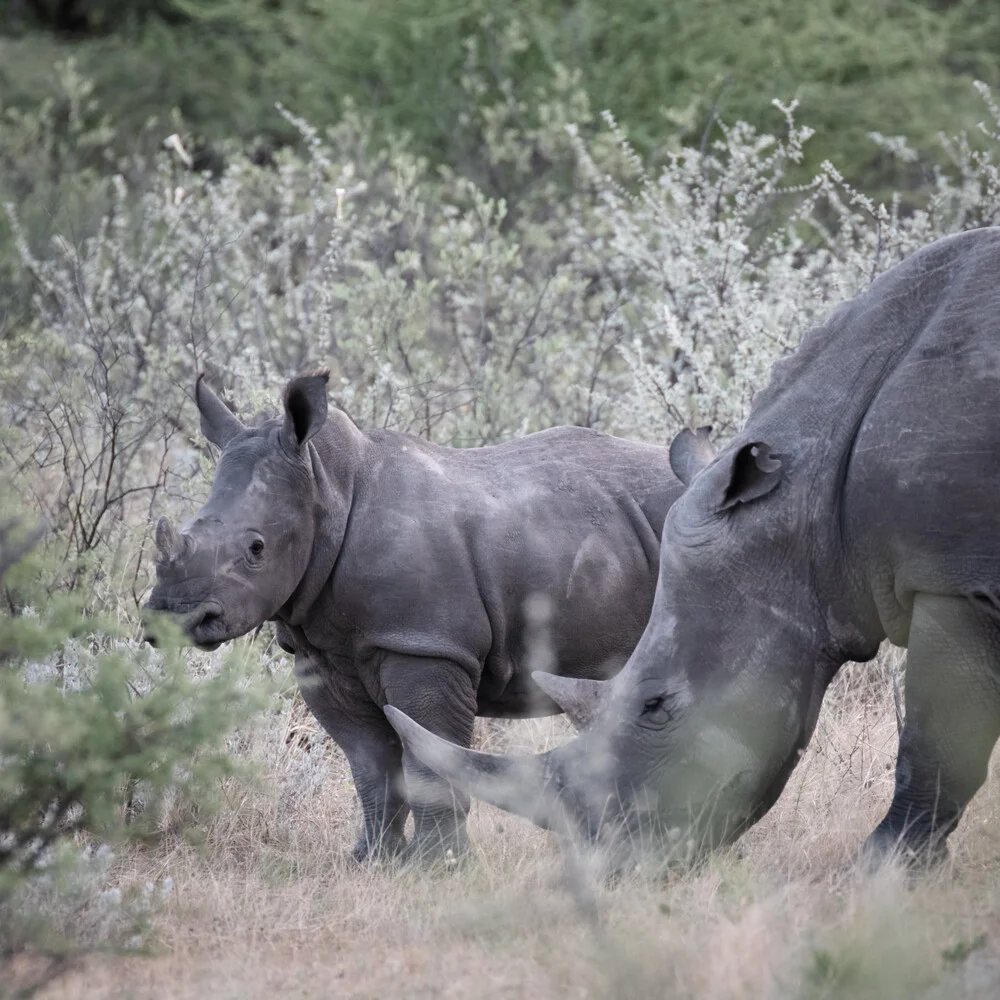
[
  {"x": 373, "y": 751},
  {"x": 952, "y": 723},
  {"x": 441, "y": 696}
]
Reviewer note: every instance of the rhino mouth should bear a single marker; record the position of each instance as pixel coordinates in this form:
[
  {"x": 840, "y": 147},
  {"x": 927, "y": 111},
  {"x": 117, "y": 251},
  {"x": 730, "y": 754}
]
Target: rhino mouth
[{"x": 204, "y": 624}]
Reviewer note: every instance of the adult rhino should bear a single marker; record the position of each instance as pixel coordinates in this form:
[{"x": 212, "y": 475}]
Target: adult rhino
[
  {"x": 860, "y": 502},
  {"x": 397, "y": 572}
]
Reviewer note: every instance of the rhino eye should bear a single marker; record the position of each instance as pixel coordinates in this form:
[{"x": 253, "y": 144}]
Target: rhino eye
[
  {"x": 657, "y": 712},
  {"x": 256, "y": 548},
  {"x": 658, "y": 703}
]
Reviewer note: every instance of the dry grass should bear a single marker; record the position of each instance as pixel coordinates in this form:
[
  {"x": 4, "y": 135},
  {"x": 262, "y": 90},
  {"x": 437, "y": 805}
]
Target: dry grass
[{"x": 270, "y": 907}]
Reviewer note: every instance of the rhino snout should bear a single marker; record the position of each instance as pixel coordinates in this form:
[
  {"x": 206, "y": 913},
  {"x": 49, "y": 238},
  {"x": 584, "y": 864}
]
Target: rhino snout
[
  {"x": 206, "y": 627},
  {"x": 204, "y": 624}
]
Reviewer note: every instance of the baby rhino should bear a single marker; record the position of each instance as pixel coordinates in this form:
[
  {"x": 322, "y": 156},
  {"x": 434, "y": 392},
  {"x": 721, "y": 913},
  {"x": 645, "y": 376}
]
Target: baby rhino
[{"x": 402, "y": 573}]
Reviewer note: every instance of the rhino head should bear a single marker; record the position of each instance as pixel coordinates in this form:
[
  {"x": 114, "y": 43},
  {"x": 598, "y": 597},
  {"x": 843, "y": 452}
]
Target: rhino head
[
  {"x": 246, "y": 555},
  {"x": 696, "y": 736}
]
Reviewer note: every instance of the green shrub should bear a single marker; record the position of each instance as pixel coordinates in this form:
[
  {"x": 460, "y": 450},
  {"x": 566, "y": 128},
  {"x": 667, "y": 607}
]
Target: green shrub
[
  {"x": 619, "y": 297},
  {"x": 101, "y": 742},
  {"x": 427, "y": 68}
]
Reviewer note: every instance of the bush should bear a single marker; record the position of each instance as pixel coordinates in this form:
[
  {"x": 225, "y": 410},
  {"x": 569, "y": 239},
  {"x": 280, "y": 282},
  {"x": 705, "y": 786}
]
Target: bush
[
  {"x": 426, "y": 68},
  {"x": 623, "y": 299},
  {"x": 728, "y": 266},
  {"x": 100, "y": 743}
]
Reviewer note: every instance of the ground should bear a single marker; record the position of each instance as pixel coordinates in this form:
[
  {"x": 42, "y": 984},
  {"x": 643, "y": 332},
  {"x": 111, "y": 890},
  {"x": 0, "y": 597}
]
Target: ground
[{"x": 271, "y": 906}]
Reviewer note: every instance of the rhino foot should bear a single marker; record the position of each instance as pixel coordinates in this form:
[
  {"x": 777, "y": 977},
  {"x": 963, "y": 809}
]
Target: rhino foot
[
  {"x": 437, "y": 852},
  {"x": 884, "y": 847},
  {"x": 365, "y": 852}
]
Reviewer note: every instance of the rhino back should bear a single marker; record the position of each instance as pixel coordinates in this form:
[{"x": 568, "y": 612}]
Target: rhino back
[{"x": 445, "y": 546}]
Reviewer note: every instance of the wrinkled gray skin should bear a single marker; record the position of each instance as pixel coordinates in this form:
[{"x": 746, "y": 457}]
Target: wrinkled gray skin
[
  {"x": 861, "y": 501},
  {"x": 397, "y": 572}
]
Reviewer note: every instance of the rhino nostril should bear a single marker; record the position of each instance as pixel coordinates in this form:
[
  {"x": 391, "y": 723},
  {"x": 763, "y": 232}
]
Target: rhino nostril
[{"x": 204, "y": 620}]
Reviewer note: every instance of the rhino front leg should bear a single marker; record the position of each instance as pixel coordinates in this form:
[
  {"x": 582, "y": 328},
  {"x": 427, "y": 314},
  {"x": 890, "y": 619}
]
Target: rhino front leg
[
  {"x": 952, "y": 724},
  {"x": 358, "y": 726},
  {"x": 441, "y": 696}
]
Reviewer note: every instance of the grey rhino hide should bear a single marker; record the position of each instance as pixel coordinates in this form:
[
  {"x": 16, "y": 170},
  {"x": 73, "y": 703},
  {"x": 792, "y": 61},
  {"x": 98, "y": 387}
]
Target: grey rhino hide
[
  {"x": 859, "y": 503},
  {"x": 402, "y": 573}
]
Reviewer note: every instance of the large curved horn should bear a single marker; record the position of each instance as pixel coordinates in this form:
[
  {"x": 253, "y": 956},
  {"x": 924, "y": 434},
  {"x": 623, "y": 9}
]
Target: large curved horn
[
  {"x": 581, "y": 699},
  {"x": 526, "y": 785}
]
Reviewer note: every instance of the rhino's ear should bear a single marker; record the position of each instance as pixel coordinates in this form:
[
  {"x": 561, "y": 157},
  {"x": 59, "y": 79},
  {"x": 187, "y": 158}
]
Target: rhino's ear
[
  {"x": 690, "y": 452},
  {"x": 218, "y": 423},
  {"x": 748, "y": 474},
  {"x": 305, "y": 409}
]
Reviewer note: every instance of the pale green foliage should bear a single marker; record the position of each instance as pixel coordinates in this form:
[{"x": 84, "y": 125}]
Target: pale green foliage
[
  {"x": 98, "y": 738},
  {"x": 728, "y": 266},
  {"x": 631, "y": 302}
]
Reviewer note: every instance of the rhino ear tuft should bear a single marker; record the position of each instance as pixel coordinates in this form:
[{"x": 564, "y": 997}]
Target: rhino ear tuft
[
  {"x": 305, "y": 409},
  {"x": 753, "y": 473},
  {"x": 218, "y": 422},
  {"x": 690, "y": 452}
]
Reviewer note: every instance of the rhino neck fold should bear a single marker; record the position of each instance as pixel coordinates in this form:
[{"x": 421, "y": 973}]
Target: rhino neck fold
[{"x": 337, "y": 457}]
